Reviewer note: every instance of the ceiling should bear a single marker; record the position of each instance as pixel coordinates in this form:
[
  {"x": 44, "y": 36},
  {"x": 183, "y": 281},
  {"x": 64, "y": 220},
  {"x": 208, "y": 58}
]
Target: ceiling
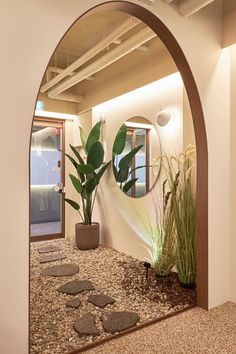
[{"x": 136, "y": 45}]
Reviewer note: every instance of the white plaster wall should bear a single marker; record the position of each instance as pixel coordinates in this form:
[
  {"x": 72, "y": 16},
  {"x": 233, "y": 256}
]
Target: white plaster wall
[
  {"x": 29, "y": 32},
  {"x": 113, "y": 207}
]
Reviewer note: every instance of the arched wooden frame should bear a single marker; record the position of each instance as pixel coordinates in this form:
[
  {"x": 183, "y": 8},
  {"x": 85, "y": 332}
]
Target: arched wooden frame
[
  {"x": 181, "y": 62},
  {"x": 199, "y": 128}
]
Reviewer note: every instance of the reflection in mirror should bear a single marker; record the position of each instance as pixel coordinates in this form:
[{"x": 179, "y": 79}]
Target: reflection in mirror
[{"x": 135, "y": 149}]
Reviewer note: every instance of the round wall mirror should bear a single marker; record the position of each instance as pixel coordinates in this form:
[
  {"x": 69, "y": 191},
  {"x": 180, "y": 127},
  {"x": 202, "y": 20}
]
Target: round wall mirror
[{"x": 135, "y": 156}]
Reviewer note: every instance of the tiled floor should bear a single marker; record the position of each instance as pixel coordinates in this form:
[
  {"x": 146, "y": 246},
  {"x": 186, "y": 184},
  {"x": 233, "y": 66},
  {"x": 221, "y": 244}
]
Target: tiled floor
[{"x": 46, "y": 228}]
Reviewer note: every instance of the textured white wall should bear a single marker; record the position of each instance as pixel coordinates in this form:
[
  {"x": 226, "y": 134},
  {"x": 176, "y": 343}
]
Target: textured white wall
[{"x": 29, "y": 32}]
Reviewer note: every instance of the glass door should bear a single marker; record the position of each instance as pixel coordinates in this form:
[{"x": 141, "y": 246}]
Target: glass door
[{"x": 46, "y": 176}]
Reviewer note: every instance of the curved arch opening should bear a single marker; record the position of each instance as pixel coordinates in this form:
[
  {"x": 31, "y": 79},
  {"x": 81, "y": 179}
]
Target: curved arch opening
[{"x": 170, "y": 42}]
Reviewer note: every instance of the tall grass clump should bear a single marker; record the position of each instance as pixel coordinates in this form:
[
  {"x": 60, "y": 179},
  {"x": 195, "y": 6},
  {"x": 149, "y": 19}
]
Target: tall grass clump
[
  {"x": 161, "y": 234},
  {"x": 181, "y": 178}
]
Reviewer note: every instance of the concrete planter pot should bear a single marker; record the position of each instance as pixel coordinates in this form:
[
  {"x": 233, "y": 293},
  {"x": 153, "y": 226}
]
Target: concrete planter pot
[{"x": 87, "y": 236}]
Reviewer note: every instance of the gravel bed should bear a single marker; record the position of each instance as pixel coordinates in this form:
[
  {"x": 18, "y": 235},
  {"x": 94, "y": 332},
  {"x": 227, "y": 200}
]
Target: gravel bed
[{"x": 112, "y": 273}]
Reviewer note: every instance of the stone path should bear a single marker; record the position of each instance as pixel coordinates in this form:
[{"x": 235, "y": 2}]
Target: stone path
[
  {"x": 51, "y": 258},
  {"x": 120, "y": 321},
  {"x": 85, "y": 325},
  {"x": 76, "y": 286},
  {"x": 101, "y": 300},
  {"x": 62, "y": 270},
  {"x": 74, "y": 303},
  {"x": 50, "y": 248}
]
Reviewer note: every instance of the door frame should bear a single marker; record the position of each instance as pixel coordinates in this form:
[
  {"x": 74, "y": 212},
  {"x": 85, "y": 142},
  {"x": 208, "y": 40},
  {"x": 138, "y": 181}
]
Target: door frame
[{"x": 46, "y": 237}]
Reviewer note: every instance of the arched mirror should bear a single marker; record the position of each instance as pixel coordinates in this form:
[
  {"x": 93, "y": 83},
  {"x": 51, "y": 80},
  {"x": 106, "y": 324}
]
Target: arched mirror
[{"x": 135, "y": 155}]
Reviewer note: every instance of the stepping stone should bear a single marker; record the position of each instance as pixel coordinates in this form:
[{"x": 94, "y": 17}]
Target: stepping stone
[
  {"x": 120, "y": 321},
  {"x": 51, "y": 258},
  {"x": 100, "y": 300},
  {"x": 62, "y": 270},
  {"x": 75, "y": 287},
  {"x": 85, "y": 326},
  {"x": 47, "y": 249},
  {"x": 75, "y": 303}
]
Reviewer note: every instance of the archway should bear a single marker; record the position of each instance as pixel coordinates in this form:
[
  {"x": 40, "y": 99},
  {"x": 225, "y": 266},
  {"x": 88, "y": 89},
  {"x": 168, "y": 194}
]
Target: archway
[{"x": 168, "y": 39}]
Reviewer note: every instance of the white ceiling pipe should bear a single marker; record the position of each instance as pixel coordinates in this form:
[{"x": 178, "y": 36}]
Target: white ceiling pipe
[
  {"x": 118, "y": 32},
  {"x": 143, "y": 48},
  {"x": 70, "y": 97},
  {"x": 56, "y": 70},
  {"x": 189, "y": 7},
  {"x": 107, "y": 59},
  {"x": 149, "y": 2}
]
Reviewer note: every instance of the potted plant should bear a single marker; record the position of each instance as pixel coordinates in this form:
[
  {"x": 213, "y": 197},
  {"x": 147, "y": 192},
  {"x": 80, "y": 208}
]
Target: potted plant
[{"x": 85, "y": 182}]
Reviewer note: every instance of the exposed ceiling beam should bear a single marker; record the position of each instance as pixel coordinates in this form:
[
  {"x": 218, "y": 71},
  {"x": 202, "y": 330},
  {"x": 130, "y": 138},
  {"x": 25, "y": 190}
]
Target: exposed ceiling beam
[
  {"x": 189, "y": 7},
  {"x": 71, "y": 97},
  {"x": 56, "y": 70},
  {"x": 123, "y": 49},
  {"x": 149, "y": 2},
  {"x": 116, "y": 34},
  {"x": 143, "y": 48}
]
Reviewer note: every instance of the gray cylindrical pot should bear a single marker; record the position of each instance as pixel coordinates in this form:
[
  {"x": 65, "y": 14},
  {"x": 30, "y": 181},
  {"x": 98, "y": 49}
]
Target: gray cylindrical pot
[{"x": 87, "y": 236}]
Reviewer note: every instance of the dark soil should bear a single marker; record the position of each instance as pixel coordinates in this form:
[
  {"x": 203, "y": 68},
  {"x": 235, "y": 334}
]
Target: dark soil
[{"x": 167, "y": 289}]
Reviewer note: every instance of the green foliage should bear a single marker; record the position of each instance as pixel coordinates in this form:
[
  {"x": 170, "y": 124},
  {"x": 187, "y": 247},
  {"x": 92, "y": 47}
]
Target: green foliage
[
  {"x": 120, "y": 140},
  {"x": 181, "y": 179},
  {"x": 123, "y": 171},
  {"x": 161, "y": 234},
  {"x": 173, "y": 234},
  {"x": 88, "y": 174}
]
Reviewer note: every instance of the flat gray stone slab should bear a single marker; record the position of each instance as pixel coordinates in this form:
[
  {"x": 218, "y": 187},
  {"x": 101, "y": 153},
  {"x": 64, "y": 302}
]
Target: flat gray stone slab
[
  {"x": 62, "y": 270},
  {"x": 120, "y": 321},
  {"x": 100, "y": 300},
  {"x": 75, "y": 287},
  {"x": 51, "y": 257},
  {"x": 75, "y": 303},
  {"x": 85, "y": 326},
  {"x": 47, "y": 249}
]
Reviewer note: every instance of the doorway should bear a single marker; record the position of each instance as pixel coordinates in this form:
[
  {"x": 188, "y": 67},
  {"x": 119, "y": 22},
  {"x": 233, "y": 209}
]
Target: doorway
[{"x": 47, "y": 176}]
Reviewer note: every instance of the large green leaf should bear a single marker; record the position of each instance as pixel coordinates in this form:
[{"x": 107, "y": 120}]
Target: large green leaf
[
  {"x": 81, "y": 176},
  {"x": 129, "y": 185},
  {"x": 77, "y": 154},
  {"x": 96, "y": 155},
  {"x": 120, "y": 140},
  {"x": 122, "y": 175},
  {"x": 115, "y": 171},
  {"x": 101, "y": 171},
  {"x": 86, "y": 169},
  {"x": 72, "y": 203},
  {"x": 125, "y": 162},
  {"x": 83, "y": 138},
  {"x": 71, "y": 159},
  {"x": 90, "y": 185},
  {"x": 76, "y": 183},
  {"x": 93, "y": 136}
]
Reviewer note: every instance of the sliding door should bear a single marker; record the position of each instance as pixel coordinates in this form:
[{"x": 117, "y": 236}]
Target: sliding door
[{"x": 46, "y": 175}]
